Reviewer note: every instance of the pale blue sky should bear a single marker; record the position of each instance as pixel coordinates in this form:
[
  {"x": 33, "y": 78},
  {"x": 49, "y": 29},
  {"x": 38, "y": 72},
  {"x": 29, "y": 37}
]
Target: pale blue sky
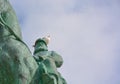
[{"x": 85, "y": 32}]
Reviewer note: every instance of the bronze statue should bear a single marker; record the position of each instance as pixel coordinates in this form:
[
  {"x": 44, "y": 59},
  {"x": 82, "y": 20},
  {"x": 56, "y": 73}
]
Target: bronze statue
[
  {"x": 17, "y": 65},
  {"x": 48, "y": 62}
]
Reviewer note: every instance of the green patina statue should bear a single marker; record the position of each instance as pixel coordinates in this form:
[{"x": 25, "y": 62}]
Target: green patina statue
[
  {"x": 48, "y": 62},
  {"x": 17, "y": 65}
]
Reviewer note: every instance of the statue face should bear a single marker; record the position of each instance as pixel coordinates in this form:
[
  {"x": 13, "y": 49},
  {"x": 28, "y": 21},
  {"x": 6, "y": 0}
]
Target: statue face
[{"x": 40, "y": 45}]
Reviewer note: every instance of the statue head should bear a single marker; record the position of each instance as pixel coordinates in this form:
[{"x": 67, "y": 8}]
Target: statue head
[
  {"x": 45, "y": 39},
  {"x": 41, "y": 44}
]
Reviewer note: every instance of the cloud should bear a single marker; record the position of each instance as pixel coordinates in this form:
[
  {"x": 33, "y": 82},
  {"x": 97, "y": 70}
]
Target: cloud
[{"x": 85, "y": 33}]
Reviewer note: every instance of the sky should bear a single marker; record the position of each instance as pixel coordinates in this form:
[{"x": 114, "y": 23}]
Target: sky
[{"x": 86, "y": 33}]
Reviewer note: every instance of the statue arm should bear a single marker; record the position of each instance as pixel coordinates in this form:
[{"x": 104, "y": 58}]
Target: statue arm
[{"x": 57, "y": 58}]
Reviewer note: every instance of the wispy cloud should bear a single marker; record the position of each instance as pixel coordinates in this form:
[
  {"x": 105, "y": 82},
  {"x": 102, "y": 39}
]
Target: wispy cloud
[{"x": 84, "y": 32}]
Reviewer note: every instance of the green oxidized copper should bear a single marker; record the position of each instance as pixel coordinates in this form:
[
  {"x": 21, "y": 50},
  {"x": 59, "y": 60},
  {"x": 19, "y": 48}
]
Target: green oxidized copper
[
  {"x": 17, "y": 66},
  {"x": 48, "y": 62}
]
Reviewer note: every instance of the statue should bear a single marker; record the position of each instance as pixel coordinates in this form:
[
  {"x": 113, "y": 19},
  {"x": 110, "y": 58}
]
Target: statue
[
  {"x": 48, "y": 62},
  {"x": 17, "y": 64}
]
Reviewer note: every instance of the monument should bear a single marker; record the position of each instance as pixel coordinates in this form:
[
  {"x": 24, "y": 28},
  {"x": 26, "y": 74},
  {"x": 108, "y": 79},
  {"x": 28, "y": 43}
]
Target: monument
[
  {"x": 17, "y": 65},
  {"x": 48, "y": 62}
]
